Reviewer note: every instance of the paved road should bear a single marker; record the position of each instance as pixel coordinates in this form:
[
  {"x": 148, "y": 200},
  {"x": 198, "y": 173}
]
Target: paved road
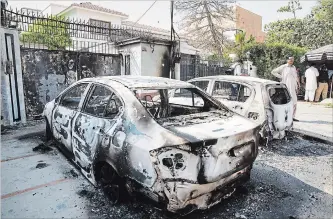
[{"x": 290, "y": 179}]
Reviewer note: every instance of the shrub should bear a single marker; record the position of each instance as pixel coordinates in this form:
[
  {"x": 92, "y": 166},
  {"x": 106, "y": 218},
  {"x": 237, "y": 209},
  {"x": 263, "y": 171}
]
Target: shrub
[{"x": 266, "y": 57}]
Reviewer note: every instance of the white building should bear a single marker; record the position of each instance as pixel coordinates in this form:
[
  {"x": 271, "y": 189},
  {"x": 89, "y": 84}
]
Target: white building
[{"x": 140, "y": 57}]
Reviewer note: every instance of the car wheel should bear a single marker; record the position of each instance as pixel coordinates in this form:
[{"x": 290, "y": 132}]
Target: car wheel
[
  {"x": 48, "y": 131},
  {"x": 111, "y": 184}
]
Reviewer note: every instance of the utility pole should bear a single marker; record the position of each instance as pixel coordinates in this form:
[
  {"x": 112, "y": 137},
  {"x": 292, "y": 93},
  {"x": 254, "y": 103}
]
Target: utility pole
[{"x": 172, "y": 51}]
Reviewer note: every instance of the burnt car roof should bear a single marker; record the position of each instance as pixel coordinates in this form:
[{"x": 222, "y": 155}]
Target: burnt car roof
[
  {"x": 245, "y": 79},
  {"x": 134, "y": 82}
]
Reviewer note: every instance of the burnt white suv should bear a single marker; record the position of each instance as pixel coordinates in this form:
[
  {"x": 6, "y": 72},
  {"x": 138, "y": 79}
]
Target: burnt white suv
[{"x": 266, "y": 102}]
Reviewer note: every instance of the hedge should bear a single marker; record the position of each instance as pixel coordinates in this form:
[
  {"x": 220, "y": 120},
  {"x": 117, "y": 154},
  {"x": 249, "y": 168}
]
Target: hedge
[{"x": 266, "y": 57}]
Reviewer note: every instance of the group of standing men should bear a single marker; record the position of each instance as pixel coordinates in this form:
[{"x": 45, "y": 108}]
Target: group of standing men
[
  {"x": 288, "y": 75},
  {"x": 316, "y": 83}
]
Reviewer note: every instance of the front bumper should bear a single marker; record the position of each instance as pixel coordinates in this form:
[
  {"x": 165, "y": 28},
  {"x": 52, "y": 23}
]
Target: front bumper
[{"x": 185, "y": 197}]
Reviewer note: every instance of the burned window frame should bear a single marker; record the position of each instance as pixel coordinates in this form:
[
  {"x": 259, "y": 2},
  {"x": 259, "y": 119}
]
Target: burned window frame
[
  {"x": 201, "y": 94},
  {"x": 89, "y": 94},
  {"x": 281, "y": 86},
  {"x": 201, "y": 81},
  {"x": 60, "y": 103},
  {"x": 240, "y": 85}
]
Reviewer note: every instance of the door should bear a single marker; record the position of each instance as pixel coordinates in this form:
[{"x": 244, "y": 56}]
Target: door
[
  {"x": 94, "y": 126},
  {"x": 64, "y": 112},
  {"x": 12, "y": 73},
  {"x": 233, "y": 95}
]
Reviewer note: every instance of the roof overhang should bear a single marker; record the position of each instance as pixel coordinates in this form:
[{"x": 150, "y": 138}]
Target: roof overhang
[
  {"x": 91, "y": 10},
  {"x": 141, "y": 40}
]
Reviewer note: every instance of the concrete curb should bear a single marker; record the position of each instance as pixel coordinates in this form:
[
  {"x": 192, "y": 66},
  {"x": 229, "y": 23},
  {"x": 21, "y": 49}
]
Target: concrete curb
[{"x": 316, "y": 136}]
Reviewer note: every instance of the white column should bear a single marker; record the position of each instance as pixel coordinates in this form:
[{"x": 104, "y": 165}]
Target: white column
[{"x": 177, "y": 71}]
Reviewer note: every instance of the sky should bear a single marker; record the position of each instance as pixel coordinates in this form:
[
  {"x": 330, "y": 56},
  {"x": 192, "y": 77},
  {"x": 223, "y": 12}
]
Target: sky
[{"x": 159, "y": 14}]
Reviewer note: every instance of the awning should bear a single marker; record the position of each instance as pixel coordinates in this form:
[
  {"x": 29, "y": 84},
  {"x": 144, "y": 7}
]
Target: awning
[{"x": 321, "y": 55}]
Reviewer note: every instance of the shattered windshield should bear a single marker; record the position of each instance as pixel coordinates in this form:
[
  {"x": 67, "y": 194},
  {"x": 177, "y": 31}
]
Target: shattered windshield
[{"x": 165, "y": 103}]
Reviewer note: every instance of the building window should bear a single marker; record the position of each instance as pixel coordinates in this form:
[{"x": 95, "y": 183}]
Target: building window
[
  {"x": 31, "y": 12},
  {"x": 101, "y": 24}
]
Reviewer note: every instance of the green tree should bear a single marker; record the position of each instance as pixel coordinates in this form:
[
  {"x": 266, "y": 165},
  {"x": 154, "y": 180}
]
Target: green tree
[
  {"x": 240, "y": 43},
  {"x": 307, "y": 32},
  {"x": 293, "y": 6},
  {"x": 323, "y": 10},
  {"x": 53, "y": 32}
]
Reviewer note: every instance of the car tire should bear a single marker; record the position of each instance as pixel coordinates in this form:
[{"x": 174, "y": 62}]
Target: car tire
[
  {"x": 111, "y": 183},
  {"x": 48, "y": 131}
]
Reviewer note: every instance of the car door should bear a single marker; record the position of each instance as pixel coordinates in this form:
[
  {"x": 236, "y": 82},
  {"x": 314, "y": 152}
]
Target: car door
[
  {"x": 65, "y": 110},
  {"x": 94, "y": 126}
]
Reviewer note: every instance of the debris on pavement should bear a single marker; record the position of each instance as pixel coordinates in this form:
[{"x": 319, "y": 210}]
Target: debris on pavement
[
  {"x": 43, "y": 147},
  {"x": 41, "y": 165}
]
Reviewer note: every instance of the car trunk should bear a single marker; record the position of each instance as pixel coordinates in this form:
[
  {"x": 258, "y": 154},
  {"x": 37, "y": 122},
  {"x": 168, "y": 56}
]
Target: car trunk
[
  {"x": 281, "y": 107},
  {"x": 217, "y": 149}
]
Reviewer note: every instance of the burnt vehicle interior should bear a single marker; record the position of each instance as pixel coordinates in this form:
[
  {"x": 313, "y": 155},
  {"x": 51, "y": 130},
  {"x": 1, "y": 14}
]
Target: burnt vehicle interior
[
  {"x": 279, "y": 95},
  {"x": 231, "y": 91},
  {"x": 160, "y": 103},
  {"x": 100, "y": 97}
]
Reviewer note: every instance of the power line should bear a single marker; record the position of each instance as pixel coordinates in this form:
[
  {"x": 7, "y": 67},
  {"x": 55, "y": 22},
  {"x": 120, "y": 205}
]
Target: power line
[{"x": 145, "y": 12}]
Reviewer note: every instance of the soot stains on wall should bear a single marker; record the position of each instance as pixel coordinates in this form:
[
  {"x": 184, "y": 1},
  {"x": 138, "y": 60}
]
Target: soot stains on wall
[{"x": 47, "y": 73}]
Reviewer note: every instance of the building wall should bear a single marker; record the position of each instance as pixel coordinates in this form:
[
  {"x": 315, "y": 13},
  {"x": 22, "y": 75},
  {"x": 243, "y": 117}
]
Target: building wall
[
  {"x": 54, "y": 9},
  {"x": 147, "y": 59},
  {"x": 250, "y": 22},
  {"x": 46, "y": 73},
  {"x": 85, "y": 15},
  {"x": 134, "y": 51},
  {"x": 155, "y": 60}
]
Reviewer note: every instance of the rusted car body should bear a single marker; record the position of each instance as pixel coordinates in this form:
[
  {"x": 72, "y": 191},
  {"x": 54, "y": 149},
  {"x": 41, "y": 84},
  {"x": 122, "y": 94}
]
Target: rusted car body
[
  {"x": 186, "y": 157},
  {"x": 266, "y": 102}
]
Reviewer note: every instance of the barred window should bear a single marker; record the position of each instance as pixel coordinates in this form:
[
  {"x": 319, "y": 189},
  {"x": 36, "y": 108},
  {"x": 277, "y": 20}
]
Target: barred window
[{"x": 101, "y": 24}]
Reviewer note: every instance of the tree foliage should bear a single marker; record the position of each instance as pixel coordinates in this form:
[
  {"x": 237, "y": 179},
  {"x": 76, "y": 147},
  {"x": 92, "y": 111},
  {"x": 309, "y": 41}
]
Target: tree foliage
[
  {"x": 266, "y": 57},
  {"x": 313, "y": 31},
  {"x": 323, "y": 10},
  {"x": 206, "y": 21},
  {"x": 52, "y": 32},
  {"x": 293, "y": 6},
  {"x": 241, "y": 43},
  {"x": 307, "y": 32}
]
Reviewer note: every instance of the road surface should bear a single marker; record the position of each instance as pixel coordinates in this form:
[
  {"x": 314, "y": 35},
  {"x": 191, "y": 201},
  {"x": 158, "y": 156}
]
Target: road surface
[{"x": 290, "y": 179}]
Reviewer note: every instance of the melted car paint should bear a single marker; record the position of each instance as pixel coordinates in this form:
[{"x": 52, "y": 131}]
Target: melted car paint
[{"x": 178, "y": 160}]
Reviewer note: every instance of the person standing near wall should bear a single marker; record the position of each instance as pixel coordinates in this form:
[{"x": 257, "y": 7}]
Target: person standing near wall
[
  {"x": 323, "y": 83},
  {"x": 311, "y": 75},
  {"x": 288, "y": 75}
]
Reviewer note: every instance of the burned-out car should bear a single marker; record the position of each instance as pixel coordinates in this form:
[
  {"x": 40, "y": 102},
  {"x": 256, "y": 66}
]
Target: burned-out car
[
  {"x": 266, "y": 102},
  {"x": 184, "y": 156}
]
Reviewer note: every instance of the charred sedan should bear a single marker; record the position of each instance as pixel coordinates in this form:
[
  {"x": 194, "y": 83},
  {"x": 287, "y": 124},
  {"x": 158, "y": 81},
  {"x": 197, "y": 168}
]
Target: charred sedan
[
  {"x": 266, "y": 102},
  {"x": 120, "y": 135}
]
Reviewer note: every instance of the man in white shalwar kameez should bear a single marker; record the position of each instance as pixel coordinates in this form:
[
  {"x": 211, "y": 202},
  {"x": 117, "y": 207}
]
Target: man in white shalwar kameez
[
  {"x": 288, "y": 75},
  {"x": 311, "y": 75}
]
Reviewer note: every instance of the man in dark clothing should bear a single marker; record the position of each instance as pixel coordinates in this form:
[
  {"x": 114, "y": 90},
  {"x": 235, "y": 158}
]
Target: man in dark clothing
[{"x": 323, "y": 83}]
